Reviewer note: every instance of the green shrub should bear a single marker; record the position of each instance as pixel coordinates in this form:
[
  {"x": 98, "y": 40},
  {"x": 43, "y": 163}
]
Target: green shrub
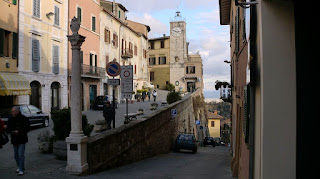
[
  {"x": 173, "y": 97},
  {"x": 139, "y": 91},
  {"x": 170, "y": 87},
  {"x": 62, "y": 123}
]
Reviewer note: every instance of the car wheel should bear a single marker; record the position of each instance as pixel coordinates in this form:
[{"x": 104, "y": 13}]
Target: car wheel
[{"x": 45, "y": 122}]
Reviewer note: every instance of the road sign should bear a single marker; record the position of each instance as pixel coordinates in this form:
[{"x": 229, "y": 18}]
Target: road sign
[
  {"x": 126, "y": 95},
  {"x": 113, "y": 69},
  {"x": 174, "y": 113},
  {"x": 126, "y": 79},
  {"x": 114, "y": 82},
  {"x": 197, "y": 122}
]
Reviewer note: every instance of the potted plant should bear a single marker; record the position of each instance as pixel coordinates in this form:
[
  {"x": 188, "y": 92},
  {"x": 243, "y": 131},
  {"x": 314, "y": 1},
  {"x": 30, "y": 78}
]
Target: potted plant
[
  {"x": 140, "y": 112},
  {"x": 100, "y": 125},
  {"x": 45, "y": 141},
  {"x": 154, "y": 106},
  {"x": 62, "y": 127}
]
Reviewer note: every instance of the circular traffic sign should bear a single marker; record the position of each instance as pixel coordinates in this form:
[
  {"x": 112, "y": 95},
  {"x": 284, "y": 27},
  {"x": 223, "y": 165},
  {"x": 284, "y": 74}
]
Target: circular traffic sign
[
  {"x": 126, "y": 73},
  {"x": 113, "y": 69}
]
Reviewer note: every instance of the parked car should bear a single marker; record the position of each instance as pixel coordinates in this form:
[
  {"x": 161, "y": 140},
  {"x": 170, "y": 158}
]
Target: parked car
[
  {"x": 209, "y": 141},
  {"x": 186, "y": 141},
  {"x": 35, "y": 115},
  {"x": 101, "y": 100},
  {"x": 217, "y": 140}
]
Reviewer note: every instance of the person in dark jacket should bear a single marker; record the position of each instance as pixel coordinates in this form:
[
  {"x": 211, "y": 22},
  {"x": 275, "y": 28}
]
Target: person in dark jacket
[
  {"x": 18, "y": 126},
  {"x": 108, "y": 113}
]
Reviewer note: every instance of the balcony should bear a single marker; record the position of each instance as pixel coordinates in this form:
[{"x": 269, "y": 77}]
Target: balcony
[
  {"x": 92, "y": 71},
  {"x": 126, "y": 53}
]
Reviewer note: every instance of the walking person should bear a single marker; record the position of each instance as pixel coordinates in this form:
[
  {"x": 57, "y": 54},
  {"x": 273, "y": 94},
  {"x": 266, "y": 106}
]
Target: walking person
[
  {"x": 143, "y": 95},
  {"x": 18, "y": 127},
  {"x": 149, "y": 95},
  {"x": 155, "y": 94},
  {"x": 108, "y": 113}
]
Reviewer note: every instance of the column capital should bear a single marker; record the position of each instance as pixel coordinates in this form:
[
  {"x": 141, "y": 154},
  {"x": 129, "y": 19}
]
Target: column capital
[{"x": 76, "y": 40}]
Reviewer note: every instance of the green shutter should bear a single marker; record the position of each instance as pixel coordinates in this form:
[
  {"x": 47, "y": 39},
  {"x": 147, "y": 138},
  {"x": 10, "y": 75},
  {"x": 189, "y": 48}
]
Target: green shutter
[
  {"x": 14, "y": 45},
  {"x": 1, "y": 42},
  {"x": 14, "y": 2},
  {"x": 79, "y": 13},
  {"x": 246, "y": 112}
]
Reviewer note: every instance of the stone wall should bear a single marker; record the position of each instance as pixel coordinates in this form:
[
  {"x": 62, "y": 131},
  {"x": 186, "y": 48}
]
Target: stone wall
[{"x": 150, "y": 136}]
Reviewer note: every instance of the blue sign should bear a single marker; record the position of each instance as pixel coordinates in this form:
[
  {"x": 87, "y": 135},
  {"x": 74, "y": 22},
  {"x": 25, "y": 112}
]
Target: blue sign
[
  {"x": 174, "y": 113},
  {"x": 197, "y": 122},
  {"x": 113, "y": 69}
]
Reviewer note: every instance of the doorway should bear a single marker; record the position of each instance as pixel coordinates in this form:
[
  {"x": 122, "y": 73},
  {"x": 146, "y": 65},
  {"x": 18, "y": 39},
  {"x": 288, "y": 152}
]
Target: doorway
[
  {"x": 92, "y": 94},
  {"x": 35, "y": 97},
  {"x": 55, "y": 96}
]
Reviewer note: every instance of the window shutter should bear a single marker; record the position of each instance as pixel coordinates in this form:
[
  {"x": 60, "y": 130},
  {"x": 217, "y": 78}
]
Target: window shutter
[
  {"x": 81, "y": 57},
  {"x": 237, "y": 31},
  {"x": 246, "y": 112},
  {"x": 79, "y": 13},
  {"x": 55, "y": 59},
  {"x": 187, "y": 71},
  {"x": 93, "y": 24},
  {"x": 14, "y": 45},
  {"x": 35, "y": 55},
  {"x": 105, "y": 34},
  {"x": 36, "y": 8},
  {"x": 95, "y": 60},
  {"x": 1, "y": 42},
  {"x": 56, "y": 15},
  {"x": 244, "y": 36},
  {"x": 14, "y": 2}
]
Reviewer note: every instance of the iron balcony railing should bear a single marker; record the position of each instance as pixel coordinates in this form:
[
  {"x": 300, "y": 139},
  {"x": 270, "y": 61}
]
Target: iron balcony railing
[{"x": 92, "y": 71}]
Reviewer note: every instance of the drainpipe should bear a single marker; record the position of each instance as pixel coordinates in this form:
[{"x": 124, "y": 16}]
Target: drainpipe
[{"x": 253, "y": 52}]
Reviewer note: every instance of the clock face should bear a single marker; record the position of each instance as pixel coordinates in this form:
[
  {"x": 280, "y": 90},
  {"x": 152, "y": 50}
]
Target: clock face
[{"x": 176, "y": 31}]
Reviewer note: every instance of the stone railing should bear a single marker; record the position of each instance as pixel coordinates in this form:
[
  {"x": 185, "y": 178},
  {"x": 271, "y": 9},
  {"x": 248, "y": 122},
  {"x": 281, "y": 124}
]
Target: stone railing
[{"x": 140, "y": 139}]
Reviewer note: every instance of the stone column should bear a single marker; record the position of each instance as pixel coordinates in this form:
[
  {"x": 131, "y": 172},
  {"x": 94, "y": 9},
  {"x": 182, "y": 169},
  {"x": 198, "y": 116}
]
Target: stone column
[{"x": 76, "y": 142}]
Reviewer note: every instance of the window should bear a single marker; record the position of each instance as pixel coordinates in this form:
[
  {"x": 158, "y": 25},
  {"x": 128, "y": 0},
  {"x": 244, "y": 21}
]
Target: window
[
  {"x": 151, "y": 75},
  {"x": 152, "y": 45},
  {"x": 56, "y": 15},
  {"x": 36, "y": 8},
  {"x": 79, "y": 15},
  {"x": 212, "y": 123},
  {"x": 119, "y": 14},
  {"x": 35, "y": 55},
  {"x": 162, "y": 43},
  {"x": 135, "y": 69},
  {"x": 162, "y": 60},
  {"x": 55, "y": 59},
  {"x": 135, "y": 50},
  {"x": 191, "y": 70},
  {"x": 93, "y": 23},
  {"x": 152, "y": 61},
  {"x": 33, "y": 110},
  {"x": 106, "y": 35},
  {"x": 115, "y": 40},
  {"x": 4, "y": 42},
  {"x": 107, "y": 60}
]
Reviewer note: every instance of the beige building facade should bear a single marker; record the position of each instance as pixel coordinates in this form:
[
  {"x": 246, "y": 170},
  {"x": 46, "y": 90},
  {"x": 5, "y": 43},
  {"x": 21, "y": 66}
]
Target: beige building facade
[{"x": 43, "y": 52}]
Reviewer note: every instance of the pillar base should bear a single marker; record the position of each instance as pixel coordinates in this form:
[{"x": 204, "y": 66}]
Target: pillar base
[{"x": 77, "y": 154}]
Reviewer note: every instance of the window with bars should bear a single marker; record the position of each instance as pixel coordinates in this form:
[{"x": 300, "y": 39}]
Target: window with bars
[
  {"x": 152, "y": 61},
  {"x": 151, "y": 75}
]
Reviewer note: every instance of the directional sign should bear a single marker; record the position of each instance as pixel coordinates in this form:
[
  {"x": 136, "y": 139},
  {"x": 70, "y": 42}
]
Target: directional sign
[
  {"x": 174, "y": 113},
  {"x": 113, "y": 69},
  {"x": 114, "y": 82},
  {"x": 197, "y": 122}
]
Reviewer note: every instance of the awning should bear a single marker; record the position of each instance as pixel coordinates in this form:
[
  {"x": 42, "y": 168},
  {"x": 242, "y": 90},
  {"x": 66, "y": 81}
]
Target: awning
[{"x": 14, "y": 84}]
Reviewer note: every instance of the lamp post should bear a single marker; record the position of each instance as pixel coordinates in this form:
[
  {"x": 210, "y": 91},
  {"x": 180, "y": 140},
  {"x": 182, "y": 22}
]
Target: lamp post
[{"x": 76, "y": 142}]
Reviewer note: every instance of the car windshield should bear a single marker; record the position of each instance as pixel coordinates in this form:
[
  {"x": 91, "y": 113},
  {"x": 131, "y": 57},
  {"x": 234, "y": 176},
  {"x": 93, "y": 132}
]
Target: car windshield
[{"x": 185, "y": 137}]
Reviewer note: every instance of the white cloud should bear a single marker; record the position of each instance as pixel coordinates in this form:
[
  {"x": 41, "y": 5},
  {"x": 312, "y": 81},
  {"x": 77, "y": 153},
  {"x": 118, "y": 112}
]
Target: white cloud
[{"x": 157, "y": 28}]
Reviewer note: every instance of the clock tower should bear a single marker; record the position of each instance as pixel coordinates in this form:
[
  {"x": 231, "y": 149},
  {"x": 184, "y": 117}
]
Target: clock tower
[{"x": 178, "y": 51}]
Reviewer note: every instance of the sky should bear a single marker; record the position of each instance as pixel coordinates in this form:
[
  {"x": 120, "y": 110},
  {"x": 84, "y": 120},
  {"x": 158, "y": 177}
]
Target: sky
[{"x": 204, "y": 32}]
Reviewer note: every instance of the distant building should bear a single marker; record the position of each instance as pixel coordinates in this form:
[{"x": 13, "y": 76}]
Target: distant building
[
  {"x": 169, "y": 61},
  {"x": 12, "y": 84},
  {"x": 214, "y": 123}
]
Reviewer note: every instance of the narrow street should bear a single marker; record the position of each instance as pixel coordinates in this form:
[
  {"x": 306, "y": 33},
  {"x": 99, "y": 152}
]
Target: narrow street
[{"x": 208, "y": 162}]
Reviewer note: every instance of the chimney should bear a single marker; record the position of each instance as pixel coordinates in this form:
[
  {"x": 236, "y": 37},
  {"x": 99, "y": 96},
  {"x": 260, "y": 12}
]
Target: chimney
[
  {"x": 114, "y": 7},
  {"x": 215, "y": 112}
]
